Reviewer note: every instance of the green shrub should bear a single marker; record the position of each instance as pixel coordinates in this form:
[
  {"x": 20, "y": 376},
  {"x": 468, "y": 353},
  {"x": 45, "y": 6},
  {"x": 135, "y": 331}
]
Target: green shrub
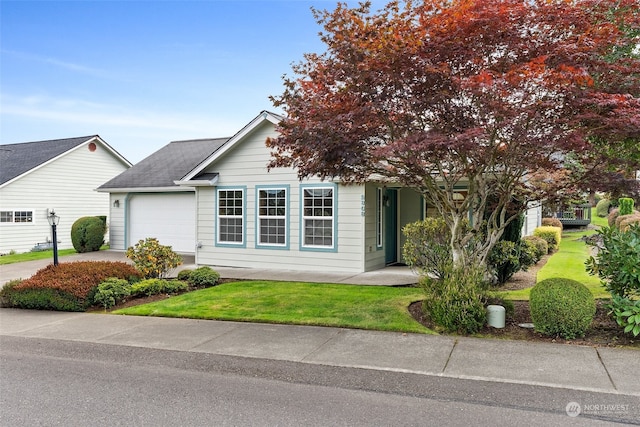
[
  {"x": 152, "y": 259},
  {"x": 150, "y": 287},
  {"x": 87, "y": 234},
  {"x": 427, "y": 246},
  {"x": 551, "y": 222},
  {"x": 68, "y": 286},
  {"x": 561, "y": 307},
  {"x": 613, "y": 215},
  {"x": 184, "y": 275},
  {"x": 112, "y": 291},
  {"x": 602, "y": 208},
  {"x": 541, "y": 246},
  {"x": 616, "y": 262},
  {"x": 507, "y": 258},
  {"x": 44, "y": 299},
  {"x": 6, "y": 291},
  {"x": 626, "y": 313},
  {"x": 551, "y": 235},
  {"x": 456, "y": 302},
  {"x": 625, "y": 204},
  {"x": 204, "y": 277}
]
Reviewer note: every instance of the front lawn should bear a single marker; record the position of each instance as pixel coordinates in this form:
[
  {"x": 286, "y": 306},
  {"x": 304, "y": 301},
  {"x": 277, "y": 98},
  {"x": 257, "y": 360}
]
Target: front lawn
[
  {"x": 32, "y": 256},
  {"x": 567, "y": 262},
  {"x": 348, "y": 306}
]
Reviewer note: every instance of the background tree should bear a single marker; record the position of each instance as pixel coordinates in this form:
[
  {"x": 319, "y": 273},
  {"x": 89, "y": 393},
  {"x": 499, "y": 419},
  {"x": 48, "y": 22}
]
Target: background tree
[{"x": 501, "y": 96}]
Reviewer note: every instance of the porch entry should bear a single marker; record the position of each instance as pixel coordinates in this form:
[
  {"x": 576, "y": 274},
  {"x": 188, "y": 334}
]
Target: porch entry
[
  {"x": 390, "y": 213},
  {"x": 401, "y": 207}
]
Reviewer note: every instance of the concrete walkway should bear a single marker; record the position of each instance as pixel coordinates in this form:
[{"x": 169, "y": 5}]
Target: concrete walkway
[
  {"x": 574, "y": 367},
  {"x": 390, "y": 276}
]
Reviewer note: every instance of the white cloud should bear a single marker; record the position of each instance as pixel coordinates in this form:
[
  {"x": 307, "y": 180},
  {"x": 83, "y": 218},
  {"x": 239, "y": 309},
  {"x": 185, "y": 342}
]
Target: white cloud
[
  {"x": 70, "y": 66},
  {"x": 82, "y": 112}
]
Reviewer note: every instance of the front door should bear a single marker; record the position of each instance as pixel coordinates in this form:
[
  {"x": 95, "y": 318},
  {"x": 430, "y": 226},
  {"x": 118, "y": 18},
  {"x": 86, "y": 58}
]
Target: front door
[{"x": 391, "y": 225}]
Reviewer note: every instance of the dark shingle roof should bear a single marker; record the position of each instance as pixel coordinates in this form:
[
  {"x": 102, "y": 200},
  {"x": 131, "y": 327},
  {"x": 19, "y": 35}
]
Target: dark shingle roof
[
  {"x": 169, "y": 164},
  {"x": 17, "y": 159}
]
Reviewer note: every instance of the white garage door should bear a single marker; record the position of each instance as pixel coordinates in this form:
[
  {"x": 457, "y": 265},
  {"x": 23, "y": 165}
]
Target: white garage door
[{"x": 170, "y": 218}]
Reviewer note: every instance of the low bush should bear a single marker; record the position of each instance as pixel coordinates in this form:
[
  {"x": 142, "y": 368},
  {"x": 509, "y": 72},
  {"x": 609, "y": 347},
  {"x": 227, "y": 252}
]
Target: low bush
[
  {"x": 504, "y": 260},
  {"x": 602, "y": 208},
  {"x": 541, "y": 246},
  {"x": 626, "y": 313},
  {"x": 456, "y": 302},
  {"x": 427, "y": 246},
  {"x": 551, "y": 222},
  {"x": 561, "y": 307},
  {"x": 150, "y": 287},
  {"x": 87, "y": 234},
  {"x": 184, "y": 275},
  {"x": 204, "y": 277},
  {"x": 152, "y": 259},
  {"x": 68, "y": 286},
  {"x": 111, "y": 292},
  {"x": 616, "y": 262},
  {"x": 552, "y": 235},
  {"x": 6, "y": 291}
]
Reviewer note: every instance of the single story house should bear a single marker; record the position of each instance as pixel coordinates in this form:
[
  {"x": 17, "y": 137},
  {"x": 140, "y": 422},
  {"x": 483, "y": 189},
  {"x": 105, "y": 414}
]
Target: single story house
[
  {"x": 146, "y": 201},
  {"x": 245, "y": 216},
  {"x": 58, "y": 175}
]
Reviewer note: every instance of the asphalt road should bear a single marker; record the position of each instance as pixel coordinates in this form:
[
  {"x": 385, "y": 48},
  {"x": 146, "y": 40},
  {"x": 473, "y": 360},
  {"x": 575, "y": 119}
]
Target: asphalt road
[{"x": 51, "y": 382}]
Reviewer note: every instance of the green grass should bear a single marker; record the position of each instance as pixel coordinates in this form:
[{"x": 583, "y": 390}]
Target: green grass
[
  {"x": 567, "y": 262},
  {"x": 363, "y": 307},
  {"x": 32, "y": 256},
  {"x": 597, "y": 221}
]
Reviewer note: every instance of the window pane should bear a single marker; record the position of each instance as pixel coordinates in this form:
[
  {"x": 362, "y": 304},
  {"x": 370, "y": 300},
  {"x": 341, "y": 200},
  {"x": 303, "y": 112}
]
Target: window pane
[
  {"x": 272, "y": 214},
  {"x": 230, "y": 215},
  {"x": 23, "y": 216},
  {"x": 6, "y": 216}
]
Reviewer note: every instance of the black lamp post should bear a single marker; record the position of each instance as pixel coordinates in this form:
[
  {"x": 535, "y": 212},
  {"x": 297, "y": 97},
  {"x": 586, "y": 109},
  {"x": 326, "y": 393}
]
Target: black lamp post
[{"x": 53, "y": 222}]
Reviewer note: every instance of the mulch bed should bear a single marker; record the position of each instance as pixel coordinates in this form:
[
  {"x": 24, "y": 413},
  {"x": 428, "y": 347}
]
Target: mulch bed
[{"x": 604, "y": 331}]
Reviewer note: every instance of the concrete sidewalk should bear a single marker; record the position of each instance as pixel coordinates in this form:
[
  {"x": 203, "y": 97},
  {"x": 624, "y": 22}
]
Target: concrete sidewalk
[{"x": 573, "y": 367}]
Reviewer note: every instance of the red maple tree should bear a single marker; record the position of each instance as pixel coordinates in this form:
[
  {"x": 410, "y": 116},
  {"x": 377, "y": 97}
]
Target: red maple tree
[{"x": 499, "y": 96}]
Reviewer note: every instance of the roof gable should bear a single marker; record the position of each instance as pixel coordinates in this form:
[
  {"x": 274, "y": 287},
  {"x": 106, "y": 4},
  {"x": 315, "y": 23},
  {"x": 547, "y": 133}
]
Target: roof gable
[
  {"x": 169, "y": 164},
  {"x": 21, "y": 158},
  {"x": 257, "y": 121}
]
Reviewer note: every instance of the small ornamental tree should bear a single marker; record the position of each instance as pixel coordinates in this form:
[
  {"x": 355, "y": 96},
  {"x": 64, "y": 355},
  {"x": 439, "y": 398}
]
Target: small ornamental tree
[
  {"x": 514, "y": 100},
  {"x": 152, "y": 259}
]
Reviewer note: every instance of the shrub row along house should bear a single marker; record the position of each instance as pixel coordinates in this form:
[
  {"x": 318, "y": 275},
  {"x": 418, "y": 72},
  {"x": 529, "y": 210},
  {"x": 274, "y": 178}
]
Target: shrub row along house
[
  {"x": 215, "y": 198},
  {"x": 59, "y": 175}
]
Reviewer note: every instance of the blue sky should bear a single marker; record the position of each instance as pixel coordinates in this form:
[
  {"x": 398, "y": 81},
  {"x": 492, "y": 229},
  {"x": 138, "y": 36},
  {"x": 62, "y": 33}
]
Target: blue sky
[{"x": 143, "y": 73}]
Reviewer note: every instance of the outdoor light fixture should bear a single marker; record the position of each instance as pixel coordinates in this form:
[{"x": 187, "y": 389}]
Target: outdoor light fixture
[
  {"x": 116, "y": 204},
  {"x": 53, "y": 222}
]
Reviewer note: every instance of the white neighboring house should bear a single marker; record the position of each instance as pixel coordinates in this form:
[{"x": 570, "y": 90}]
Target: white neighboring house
[
  {"x": 59, "y": 175},
  {"x": 146, "y": 202}
]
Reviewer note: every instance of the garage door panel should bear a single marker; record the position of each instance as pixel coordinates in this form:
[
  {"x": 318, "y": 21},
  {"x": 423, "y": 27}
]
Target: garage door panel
[{"x": 168, "y": 217}]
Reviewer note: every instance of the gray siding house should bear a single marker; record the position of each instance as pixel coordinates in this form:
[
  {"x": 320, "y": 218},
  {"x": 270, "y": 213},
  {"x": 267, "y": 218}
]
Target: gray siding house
[{"x": 216, "y": 199}]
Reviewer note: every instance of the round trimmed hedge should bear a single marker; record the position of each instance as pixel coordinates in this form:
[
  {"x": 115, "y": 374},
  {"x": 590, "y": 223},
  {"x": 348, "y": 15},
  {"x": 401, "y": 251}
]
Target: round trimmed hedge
[
  {"x": 87, "y": 234},
  {"x": 561, "y": 307}
]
